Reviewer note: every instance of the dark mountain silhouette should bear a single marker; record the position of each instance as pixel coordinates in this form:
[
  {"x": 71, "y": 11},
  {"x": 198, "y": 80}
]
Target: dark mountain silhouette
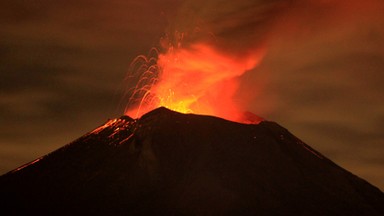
[{"x": 167, "y": 163}]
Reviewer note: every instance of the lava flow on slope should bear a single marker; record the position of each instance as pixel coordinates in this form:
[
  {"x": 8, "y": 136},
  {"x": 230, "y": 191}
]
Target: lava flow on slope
[{"x": 168, "y": 163}]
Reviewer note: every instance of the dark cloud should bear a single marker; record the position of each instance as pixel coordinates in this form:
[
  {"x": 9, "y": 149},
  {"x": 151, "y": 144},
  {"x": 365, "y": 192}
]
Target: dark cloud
[{"x": 62, "y": 66}]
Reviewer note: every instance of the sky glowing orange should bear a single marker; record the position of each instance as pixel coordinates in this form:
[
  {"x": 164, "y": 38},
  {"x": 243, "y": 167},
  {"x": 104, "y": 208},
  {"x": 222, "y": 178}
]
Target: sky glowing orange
[{"x": 198, "y": 79}]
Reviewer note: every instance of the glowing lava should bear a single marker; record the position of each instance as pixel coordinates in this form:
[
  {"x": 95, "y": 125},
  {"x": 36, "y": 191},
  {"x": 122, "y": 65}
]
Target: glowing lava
[{"x": 198, "y": 79}]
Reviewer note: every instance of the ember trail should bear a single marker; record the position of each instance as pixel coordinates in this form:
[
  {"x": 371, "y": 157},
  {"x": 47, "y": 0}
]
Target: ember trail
[{"x": 197, "y": 78}]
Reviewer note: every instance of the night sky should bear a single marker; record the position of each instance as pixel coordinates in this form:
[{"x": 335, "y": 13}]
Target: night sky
[{"x": 63, "y": 65}]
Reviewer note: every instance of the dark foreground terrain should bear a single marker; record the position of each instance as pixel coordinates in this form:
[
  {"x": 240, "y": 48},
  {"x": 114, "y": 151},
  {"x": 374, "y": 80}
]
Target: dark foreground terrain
[{"x": 167, "y": 163}]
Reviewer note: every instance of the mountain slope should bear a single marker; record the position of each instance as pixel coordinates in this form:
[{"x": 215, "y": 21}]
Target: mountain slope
[{"x": 167, "y": 163}]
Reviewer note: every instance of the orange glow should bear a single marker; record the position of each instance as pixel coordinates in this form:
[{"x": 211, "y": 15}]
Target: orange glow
[{"x": 198, "y": 79}]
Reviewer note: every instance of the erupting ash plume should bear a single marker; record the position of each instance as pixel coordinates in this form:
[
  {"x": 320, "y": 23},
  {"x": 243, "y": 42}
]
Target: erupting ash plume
[
  {"x": 194, "y": 79},
  {"x": 210, "y": 45},
  {"x": 199, "y": 65}
]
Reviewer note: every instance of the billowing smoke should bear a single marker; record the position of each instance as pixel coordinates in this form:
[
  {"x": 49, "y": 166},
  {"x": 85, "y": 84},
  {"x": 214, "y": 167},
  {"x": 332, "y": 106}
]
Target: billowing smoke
[
  {"x": 214, "y": 56},
  {"x": 202, "y": 56}
]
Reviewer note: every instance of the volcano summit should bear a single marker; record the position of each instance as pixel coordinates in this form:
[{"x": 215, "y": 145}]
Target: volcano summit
[{"x": 168, "y": 163}]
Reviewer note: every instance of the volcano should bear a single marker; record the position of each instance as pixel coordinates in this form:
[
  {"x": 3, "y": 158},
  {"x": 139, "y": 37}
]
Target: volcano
[{"x": 168, "y": 163}]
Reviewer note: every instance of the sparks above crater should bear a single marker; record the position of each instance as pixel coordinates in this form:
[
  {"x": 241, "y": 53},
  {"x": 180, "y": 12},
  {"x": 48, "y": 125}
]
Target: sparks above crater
[{"x": 194, "y": 79}]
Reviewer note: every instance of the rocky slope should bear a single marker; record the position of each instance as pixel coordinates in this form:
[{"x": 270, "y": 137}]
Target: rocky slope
[{"x": 167, "y": 163}]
